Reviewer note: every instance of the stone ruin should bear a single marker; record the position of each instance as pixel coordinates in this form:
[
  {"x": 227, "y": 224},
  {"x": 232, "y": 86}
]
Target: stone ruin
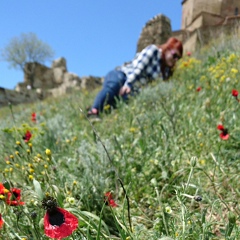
[
  {"x": 156, "y": 31},
  {"x": 47, "y": 81}
]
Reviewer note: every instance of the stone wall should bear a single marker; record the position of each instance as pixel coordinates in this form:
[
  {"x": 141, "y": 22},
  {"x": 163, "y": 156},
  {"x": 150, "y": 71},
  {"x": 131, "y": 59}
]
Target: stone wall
[
  {"x": 204, "y": 20},
  {"x": 156, "y": 31},
  {"x": 228, "y": 7},
  {"x": 215, "y": 9},
  {"x": 201, "y": 36}
]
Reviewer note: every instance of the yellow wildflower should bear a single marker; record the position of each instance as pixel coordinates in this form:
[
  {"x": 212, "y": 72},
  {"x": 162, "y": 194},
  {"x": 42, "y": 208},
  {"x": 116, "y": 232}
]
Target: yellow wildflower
[
  {"x": 202, "y": 162},
  {"x": 107, "y": 107},
  {"x": 231, "y": 58},
  {"x": 74, "y": 138},
  {"x": 5, "y": 190},
  {"x": 132, "y": 130},
  {"x": 234, "y": 70},
  {"x": 74, "y": 182},
  {"x": 2, "y": 197},
  {"x": 48, "y": 152}
]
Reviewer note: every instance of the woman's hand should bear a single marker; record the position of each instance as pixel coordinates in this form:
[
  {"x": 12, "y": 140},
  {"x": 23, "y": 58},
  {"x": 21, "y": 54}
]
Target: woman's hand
[{"x": 124, "y": 90}]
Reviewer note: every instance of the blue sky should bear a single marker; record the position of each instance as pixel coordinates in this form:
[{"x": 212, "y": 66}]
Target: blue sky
[{"x": 93, "y": 35}]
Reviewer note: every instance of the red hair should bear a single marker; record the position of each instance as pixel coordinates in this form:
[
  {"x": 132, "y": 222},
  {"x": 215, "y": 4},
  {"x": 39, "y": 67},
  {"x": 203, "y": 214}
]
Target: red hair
[{"x": 171, "y": 44}]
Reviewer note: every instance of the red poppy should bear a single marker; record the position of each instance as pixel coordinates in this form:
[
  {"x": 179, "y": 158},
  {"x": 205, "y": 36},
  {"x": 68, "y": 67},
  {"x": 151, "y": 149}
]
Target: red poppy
[
  {"x": 109, "y": 199},
  {"x": 1, "y": 221},
  {"x": 224, "y": 132},
  {"x": 235, "y": 93},
  {"x": 108, "y": 195},
  {"x": 1, "y": 188},
  {"x": 14, "y": 197},
  {"x": 112, "y": 203},
  {"x": 34, "y": 117},
  {"x": 58, "y": 222},
  {"x": 189, "y": 54},
  {"x": 198, "y": 89},
  {"x": 27, "y": 136},
  {"x": 220, "y": 127}
]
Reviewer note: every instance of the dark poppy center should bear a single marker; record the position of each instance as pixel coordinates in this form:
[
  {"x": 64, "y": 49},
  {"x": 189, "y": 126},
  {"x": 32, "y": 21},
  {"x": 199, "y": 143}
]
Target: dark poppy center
[
  {"x": 15, "y": 194},
  {"x": 225, "y": 132},
  {"x": 56, "y": 217}
]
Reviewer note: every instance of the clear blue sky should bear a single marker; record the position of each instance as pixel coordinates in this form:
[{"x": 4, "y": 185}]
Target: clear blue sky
[{"x": 93, "y": 35}]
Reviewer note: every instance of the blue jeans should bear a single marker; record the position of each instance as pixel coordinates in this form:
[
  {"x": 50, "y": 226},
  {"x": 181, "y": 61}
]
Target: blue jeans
[{"x": 113, "y": 81}]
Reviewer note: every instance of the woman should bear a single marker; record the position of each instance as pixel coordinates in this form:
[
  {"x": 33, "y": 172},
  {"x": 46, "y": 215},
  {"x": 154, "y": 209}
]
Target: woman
[{"x": 147, "y": 65}]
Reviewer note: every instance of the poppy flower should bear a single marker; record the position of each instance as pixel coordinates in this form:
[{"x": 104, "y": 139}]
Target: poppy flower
[
  {"x": 2, "y": 188},
  {"x": 224, "y": 132},
  {"x": 1, "y": 221},
  {"x": 27, "y": 136},
  {"x": 58, "y": 222},
  {"x": 109, "y": 199},
  {"x": 198, "y": 89},
  {"x": 34, "y": 117},
  {"x": 235, "y": 93},
  {"x": 14, "y": 197}
]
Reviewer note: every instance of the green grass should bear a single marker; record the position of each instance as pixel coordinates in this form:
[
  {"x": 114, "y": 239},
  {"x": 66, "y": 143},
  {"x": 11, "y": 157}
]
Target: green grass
[{"x": 161, "y": 156}]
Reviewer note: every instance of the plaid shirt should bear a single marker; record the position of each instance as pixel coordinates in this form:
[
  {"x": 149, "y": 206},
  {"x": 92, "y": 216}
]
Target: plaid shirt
[{"x": 144, "y": 67}]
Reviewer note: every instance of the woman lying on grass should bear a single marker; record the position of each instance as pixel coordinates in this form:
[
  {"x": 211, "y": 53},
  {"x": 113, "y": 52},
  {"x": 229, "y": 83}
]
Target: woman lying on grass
[{"x": 147, "y": 65}]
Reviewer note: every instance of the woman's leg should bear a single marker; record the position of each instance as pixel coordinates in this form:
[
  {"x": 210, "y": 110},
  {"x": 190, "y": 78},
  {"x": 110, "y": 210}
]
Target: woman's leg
[{"x": 113, "y": 81}]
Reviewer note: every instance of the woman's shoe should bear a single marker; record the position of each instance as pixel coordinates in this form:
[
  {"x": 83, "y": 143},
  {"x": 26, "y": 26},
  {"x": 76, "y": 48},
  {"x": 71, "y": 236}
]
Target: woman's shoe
[{"x": 93, "y": 117}]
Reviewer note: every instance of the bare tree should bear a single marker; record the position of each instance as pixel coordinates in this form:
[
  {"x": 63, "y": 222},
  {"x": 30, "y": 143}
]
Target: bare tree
[{"x": 26, "y": 48}]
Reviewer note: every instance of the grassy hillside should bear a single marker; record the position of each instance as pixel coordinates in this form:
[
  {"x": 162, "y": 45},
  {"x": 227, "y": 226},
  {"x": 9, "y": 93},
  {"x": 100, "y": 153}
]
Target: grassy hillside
[{"x": 171, "y": 169}]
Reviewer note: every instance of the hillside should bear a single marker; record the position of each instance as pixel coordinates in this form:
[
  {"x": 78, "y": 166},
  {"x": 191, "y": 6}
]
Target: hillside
[{"x": 170, "y": 158}]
